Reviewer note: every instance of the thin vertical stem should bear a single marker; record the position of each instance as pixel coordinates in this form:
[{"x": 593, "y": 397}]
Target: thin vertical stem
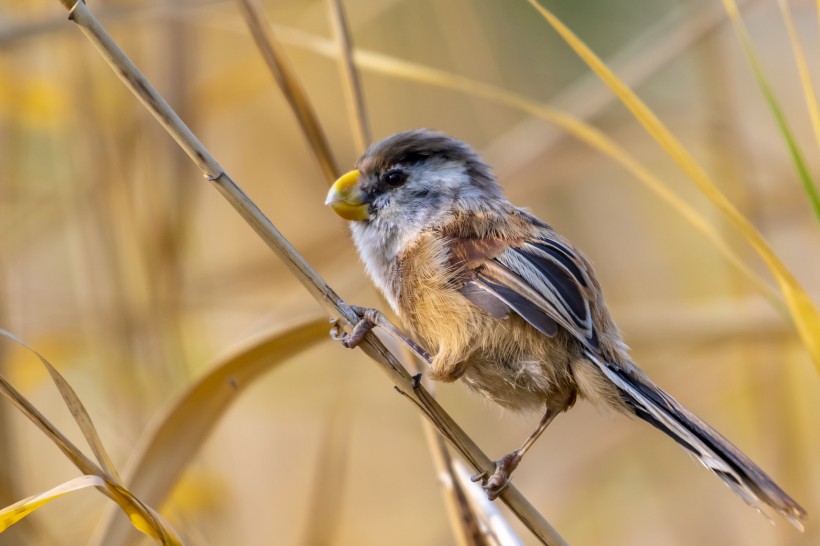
[
  {"x": 350, "y": 77},
  {"x": 285, "y": 76}
]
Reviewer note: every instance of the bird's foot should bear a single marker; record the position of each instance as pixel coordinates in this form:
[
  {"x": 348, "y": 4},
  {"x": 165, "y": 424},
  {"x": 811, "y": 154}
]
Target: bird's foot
[
  {"x": 496, "y": 483},
  {"x": 368, "y": 319}
]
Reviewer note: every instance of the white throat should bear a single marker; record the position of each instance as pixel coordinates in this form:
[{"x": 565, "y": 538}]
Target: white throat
[
  {"x": 379, "y": 250},
  {"x": 402, "y": 216}
]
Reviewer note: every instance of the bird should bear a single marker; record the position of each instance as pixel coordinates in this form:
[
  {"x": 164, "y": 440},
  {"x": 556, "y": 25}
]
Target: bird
[{"x": 498, "y": 299}]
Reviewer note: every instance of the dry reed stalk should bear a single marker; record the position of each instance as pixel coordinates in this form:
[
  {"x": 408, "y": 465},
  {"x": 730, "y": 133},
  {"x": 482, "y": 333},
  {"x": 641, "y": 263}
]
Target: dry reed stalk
[
  {"x": 80, "y": 14},
  {"x": 465, "y": 521},
  {"x": 352, "y": 85},
  {"x": 278, "y": 64}
]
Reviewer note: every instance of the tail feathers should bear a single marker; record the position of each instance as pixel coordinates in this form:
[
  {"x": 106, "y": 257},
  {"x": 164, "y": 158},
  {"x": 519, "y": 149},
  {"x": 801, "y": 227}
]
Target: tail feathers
[{"x": 707, "y": 445}]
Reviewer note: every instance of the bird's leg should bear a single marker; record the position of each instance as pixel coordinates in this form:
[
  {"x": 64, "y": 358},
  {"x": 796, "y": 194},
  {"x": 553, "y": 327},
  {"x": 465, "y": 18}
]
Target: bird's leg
[
  {"x": 369, "y": 319},
  {"x": 505, "y": 466}
]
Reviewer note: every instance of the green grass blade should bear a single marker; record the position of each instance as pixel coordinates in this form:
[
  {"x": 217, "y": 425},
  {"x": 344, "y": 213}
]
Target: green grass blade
[
  {"x": 797, "y": 156},
  {"x": 803, "y": 310}
]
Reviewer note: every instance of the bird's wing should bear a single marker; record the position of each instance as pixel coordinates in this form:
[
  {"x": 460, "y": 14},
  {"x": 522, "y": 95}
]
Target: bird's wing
[
  {"x": 541, "y": 279},
  {"x": 547, "y": 283}
]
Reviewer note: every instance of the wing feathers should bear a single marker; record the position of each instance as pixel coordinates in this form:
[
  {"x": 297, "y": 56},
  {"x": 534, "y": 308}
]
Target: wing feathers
[
  {"x": 485, "y": 299},
  {"x": 547, "y": 283},
  {"x": 558, "y": 290},
  {"x": 541, "y": 279},
  {"x": 524, "y": 307},
  {"x": 566, "y": 257}
]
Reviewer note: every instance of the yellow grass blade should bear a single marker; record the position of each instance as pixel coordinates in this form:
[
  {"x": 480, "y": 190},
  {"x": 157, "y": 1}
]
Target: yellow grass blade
[
  {"x": 175, "y": 436},
  {"x": 577, "y": 128},
  {"x": 142, "y": 516},
  {"x": 75, "y": 406},
  {"x": 17, "y": 511},
  {"x": 802, "y": 308},
  {"x": 402, "y": 69},
  {"x": 135, "y": 510},
  {"x": 803, "y": 69}
]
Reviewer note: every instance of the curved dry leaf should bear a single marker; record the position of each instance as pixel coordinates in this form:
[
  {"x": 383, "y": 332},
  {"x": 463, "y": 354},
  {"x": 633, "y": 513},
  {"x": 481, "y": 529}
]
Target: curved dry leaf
[
  {"x": 74, "y": 405},
  {"x": 143, "y": 517},
  {"x": 17, "y": 511},
  {"x": 175, "y": 436}
]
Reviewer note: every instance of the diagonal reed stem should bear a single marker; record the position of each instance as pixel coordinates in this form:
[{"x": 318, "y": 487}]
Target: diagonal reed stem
[
  {"x": 350, "y": 77},
  {"x": 465, "y": 521},
  {"x": 285, "y": 76},
  {"x": 316, "y": 286}
]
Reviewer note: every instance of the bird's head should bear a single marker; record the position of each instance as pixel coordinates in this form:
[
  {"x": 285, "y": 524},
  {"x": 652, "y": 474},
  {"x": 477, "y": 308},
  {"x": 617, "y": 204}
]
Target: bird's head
[{"x": 413, "y": 180}]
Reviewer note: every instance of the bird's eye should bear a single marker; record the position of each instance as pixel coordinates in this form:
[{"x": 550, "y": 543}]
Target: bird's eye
[{"x": 394, "y": 178}]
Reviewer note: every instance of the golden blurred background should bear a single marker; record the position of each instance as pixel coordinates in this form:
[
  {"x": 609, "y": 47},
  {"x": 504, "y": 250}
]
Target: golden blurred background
[{"x": 131, "y": 275}]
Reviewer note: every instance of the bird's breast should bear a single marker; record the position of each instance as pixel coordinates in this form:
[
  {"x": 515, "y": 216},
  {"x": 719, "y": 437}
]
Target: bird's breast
[
  {"x": 429, "y": 301},
  {"x": 504, "y": 359}
]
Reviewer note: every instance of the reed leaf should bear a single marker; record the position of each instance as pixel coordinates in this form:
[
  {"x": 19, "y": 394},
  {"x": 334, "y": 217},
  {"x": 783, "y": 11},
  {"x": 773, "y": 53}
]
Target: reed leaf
[
  {"x": 142, "y": 516},
  {"x": 771, "y": 100},
  {"x": 175, "y": 436},
  {"x": 74, "y": 405},
  {"x": 283, "y": 72},
  {"x": 803, "y": 69},
  {"x": 802, "y": 308},
  {"x": 17, "y": 511},
  {"x": 352, "y": 85}
]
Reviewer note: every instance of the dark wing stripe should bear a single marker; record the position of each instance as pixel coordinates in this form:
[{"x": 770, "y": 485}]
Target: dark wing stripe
[
  {"x": 542, "y": 280},
  {"x": 526, "y": 308},
  {"x": 485, "y": 299},
  {"x": 564, "y": 256},
  {"x": 537, "y": 276},
  {"x": 565, "y": 285},
  {"x": 533, "y": 289}
]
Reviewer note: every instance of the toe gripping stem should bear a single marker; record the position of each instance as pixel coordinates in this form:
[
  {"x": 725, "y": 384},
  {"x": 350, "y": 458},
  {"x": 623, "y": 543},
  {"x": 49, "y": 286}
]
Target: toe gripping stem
[{"x": 370, "y": 318}]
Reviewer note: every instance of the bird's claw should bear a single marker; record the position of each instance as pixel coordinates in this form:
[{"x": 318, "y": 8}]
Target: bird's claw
[
  {"x": 335, "y": 330},
  {"x": 495, "y": 483},
  {"x": 368, "y": 319},
  {"x": 352, "y": 339}
]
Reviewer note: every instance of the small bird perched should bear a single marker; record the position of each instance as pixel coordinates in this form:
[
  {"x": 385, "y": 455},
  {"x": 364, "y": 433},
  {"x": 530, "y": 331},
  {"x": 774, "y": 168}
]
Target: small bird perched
[{"x": 508, "y": 305}]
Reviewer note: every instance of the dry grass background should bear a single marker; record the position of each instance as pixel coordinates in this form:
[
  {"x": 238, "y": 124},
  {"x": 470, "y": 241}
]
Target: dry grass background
[{"x": 119, "y": 264}]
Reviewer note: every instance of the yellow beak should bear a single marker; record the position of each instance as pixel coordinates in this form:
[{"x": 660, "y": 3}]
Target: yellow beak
[{"x": 347, "y": 199}]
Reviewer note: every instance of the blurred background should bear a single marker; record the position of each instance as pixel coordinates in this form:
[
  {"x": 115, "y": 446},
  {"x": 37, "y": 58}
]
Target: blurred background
[{"x": 127, "y": 271}]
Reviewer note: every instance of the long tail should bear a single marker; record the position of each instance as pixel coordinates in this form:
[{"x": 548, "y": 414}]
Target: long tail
[{"x": 706, "y": 444}]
